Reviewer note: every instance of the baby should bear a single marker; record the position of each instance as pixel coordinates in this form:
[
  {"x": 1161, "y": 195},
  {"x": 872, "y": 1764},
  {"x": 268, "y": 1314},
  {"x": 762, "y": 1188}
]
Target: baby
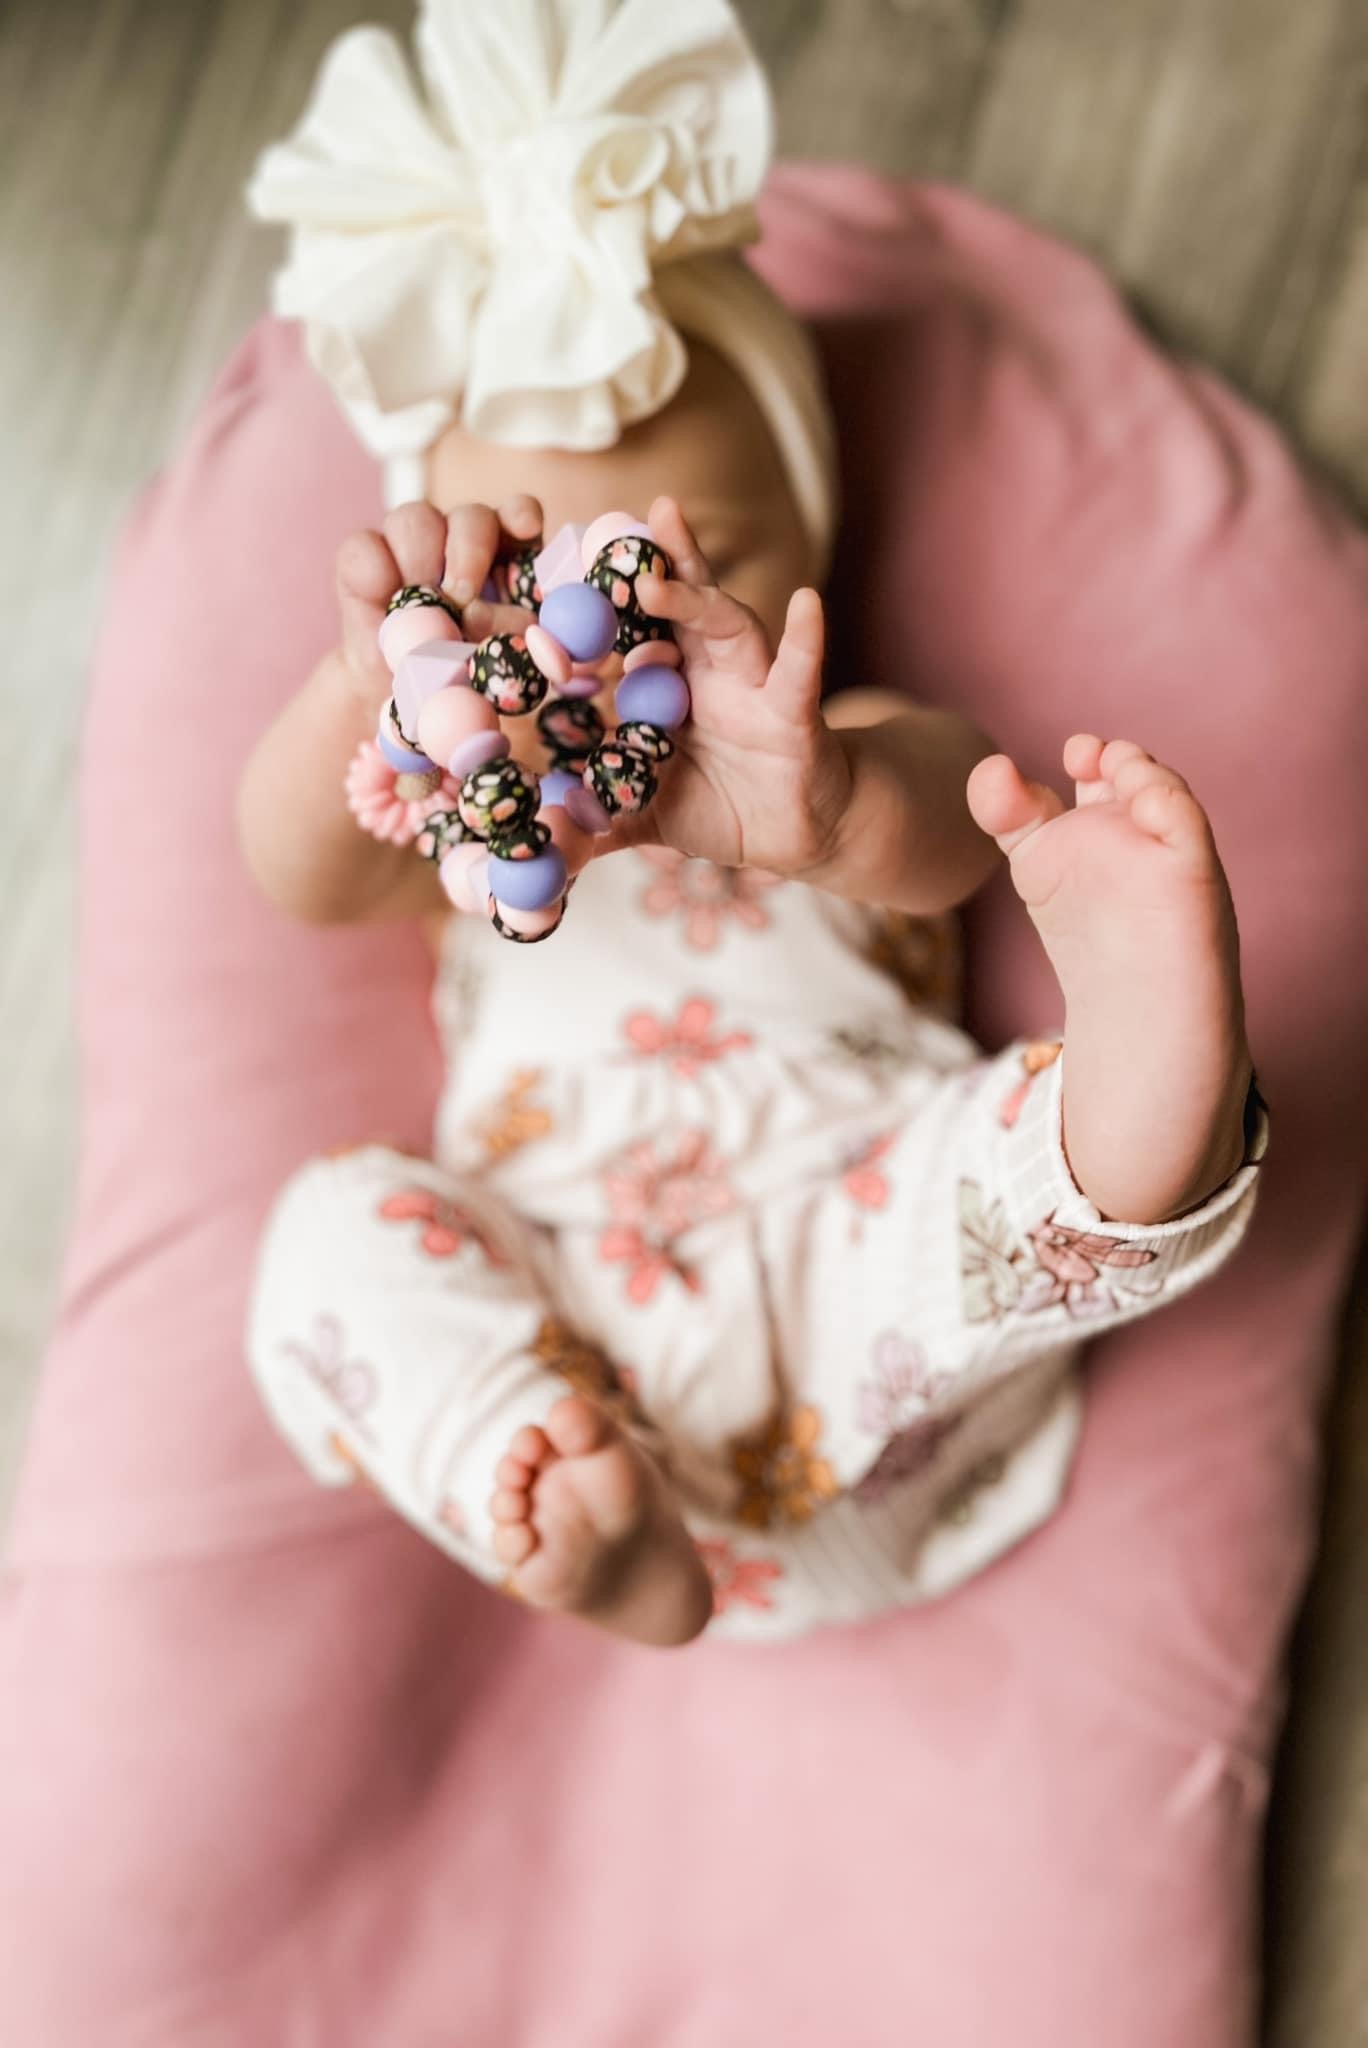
[{"x": 742, "y": 1285}]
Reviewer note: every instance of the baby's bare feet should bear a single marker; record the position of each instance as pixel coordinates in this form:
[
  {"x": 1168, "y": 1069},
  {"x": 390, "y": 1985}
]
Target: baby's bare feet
[
  {"x": 1130, "y": 899},
  {"x": 587, "y": 1523}
]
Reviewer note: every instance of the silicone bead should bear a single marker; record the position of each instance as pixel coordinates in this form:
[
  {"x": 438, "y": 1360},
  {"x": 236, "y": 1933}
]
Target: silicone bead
[
  {"x": 584, "y": 809},
  {"x": 623, "y": 781},
  {"x": 413, "y": 626},
  {"x": 442, "y": 831},
  {"x": 452, "y": 717},
  {"x": 652, "y": 654},
  {"x": 523, "y": 840},
  {"x": 603, "y": 531},
  {"x": 501, "y": 795},
  {"x": 583, "y": 683},
  {"x": 651, "y": 740},
  {"x": 550, "y": 657},
  {"x": 502, "y": 669},
  {"x": 410, "y": 594},
  {"x": 525, "y": 927},
  {"x": 615, "y": 573},
  {"x": 415, "y": 789},
  {"x": 559, "y": 561},
  {"x": 582, "y": 619},
  {"x": 556, "y": 786},
  {"x": 477, "y": 752},
  {"x": 523, "y": 587},
  {"x": 462, "y": 873},
  {"x": 406, "y": 759},
  {"x": 436, "y": 665},
  {"x": 570, "y": 731},
  {"x": 528, "y": 884},
  {"x": 657, "y": 696}
]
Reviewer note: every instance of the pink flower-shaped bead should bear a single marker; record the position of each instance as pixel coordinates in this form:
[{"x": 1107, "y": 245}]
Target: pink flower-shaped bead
[{"x": 386, "y": 802}]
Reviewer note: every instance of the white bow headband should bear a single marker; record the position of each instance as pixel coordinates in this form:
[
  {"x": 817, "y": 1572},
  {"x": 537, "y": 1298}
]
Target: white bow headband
[{"x": 502, "y": 247}]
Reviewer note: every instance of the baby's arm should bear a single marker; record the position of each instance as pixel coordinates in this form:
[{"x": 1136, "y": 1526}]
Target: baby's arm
[{"x": 300, "y": 840}]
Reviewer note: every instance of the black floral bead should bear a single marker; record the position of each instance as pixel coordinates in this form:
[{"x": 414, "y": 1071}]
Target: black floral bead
[
  {"x": 620, "y": 778},
  {"x": 521, "y": 576},
  {"x": 502, "y": 670},
  {"x": 506, "y": 931},
  {"x": 421, "y": 593},
  {"x": 615, "y": 571},
  {"x": 571, "y": 729},
  {"x": 498, "y": 798},
  {"x": 520, "y": 842},
  {"x": 441, "y": 831},
  {"x": 651, "y": 740}
]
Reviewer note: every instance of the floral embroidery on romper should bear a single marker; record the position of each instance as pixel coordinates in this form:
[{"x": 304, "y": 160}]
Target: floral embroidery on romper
[
  {"x": 782, "y": 1476},
  {"x": 585, "y": 1368},
  {"x": 706, "y": 896},
  {"x": 1072, "y": 1264},
  {"x": 447, "y": 1227},
  {"x": 688, "y": 1041},
  {"x": 349, "y": 1383},
  {"x": 654, "y": 1202},
  {"x": 990, "y": 1257},
  {"x": 894, "y": 1406},
  {"x": 860, "y": 1177},
  {"x": 515, "y": 1120},
  {"x": 1036, "y": 1057},
  {"x": 739, "y": 1581},
  {"x": 921, "y": 955}
]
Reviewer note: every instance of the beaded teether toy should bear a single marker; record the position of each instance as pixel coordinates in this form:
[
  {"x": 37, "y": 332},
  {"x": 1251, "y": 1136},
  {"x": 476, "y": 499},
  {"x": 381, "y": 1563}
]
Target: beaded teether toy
[{"x": 505, "y": 840}]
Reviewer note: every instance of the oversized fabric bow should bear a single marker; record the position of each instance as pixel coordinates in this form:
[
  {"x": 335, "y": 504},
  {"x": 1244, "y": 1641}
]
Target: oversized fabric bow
[{"x": 489, "y": 249}]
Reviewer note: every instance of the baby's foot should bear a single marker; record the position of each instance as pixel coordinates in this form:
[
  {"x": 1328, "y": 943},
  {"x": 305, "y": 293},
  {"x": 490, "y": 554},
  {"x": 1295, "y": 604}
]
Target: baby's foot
[
  {"x": 586, "y": 1522},
  {"x": 1130, "y": 899}
]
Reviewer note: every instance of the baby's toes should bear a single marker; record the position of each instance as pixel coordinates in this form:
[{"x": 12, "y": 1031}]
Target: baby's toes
[
  {"x": 514, "y": 1542},
  {"x": 1005, "y": 805},
  {"x": 1141, "y": 771},
  {"x": 1166, "y": 809}
]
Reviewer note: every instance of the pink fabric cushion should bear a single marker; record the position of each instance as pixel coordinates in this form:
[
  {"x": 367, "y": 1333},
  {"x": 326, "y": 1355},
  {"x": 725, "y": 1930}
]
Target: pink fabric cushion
[{"x": 273, "y": 1771}]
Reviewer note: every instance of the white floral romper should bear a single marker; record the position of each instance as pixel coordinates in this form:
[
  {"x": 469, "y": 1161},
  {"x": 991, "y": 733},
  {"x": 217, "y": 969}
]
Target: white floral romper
[{"x": 705, "y": 1157}]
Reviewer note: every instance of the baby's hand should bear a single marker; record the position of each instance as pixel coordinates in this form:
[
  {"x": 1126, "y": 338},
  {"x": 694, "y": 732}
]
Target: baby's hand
[{"x": 758, "y": 780}]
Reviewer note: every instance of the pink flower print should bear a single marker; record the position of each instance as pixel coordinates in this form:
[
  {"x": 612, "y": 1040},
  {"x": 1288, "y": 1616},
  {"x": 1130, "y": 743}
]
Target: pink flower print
[
  {"x": 1039, "y": 1054},
  {"x": 706, "y": 896},
  {"x": 389, "y": 803},
  {"x": 1072, "y": 1266},
  {"x": 447, "y": 1227},
  {"x": 739, "y": 1581},
  {"x": 894, "y": 1406},
  {"x": 349, "y": 1384},
  {"x": 861, "y": 1179},
  {"x": 654, "y": 1202},
  {"x": 451, "y": 1515},
  {"x": 688, "y": 1041}
]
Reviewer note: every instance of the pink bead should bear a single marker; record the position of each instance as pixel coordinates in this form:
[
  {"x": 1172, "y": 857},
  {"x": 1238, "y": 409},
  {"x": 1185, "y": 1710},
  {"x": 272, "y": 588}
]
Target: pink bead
[
  {"x": 436, "y": 665},
  {"x": 550, "y": 657},
  {"x": 609, "y": 526},
  {"x": 571, "y": 841},
  {"x": 559, "y": 561},
  {"x": 656, "y": 653},
  {"x": 531, "y": 923},
  {"x": 402, "y": 631},
  {"x": 451, "y": 717},
  {"x": 463, "y": 875},
  {"x": 582, "y": 682}
]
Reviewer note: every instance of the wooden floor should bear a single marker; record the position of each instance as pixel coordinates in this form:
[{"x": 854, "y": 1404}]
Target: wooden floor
[{"x": 1214, "y": 152}]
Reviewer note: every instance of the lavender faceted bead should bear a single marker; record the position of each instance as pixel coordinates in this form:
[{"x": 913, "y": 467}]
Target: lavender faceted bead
[
  {"x": 529, "y": 884},
  {"x": 582, "y": 619},
  {"x": 653, "y": 695}
]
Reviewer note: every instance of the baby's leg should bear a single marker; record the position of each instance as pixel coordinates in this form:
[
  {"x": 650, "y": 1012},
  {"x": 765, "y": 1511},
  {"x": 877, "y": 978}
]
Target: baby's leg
[
  {"x": 1129, "y": 897},
  {"x": 399, "y": 1332}
]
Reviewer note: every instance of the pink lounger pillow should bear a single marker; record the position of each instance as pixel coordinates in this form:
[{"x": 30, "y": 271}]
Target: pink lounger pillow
[{"x": 272, "y": 1771}]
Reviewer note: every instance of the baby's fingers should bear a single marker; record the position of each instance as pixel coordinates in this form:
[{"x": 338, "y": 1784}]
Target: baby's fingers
[
  {"x": 731, "y": 634},
  {"x": 676, "y": 536},
  {"x": 476, "y": 535}
]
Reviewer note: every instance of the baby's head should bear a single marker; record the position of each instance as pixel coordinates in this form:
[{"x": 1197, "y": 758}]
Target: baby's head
[{"x": 711, "y": 447}]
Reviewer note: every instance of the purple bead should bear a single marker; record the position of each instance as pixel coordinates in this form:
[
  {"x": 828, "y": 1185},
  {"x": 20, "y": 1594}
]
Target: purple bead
[
  {"x": 582, "y": 619},
  {"x": 556, "y": 787},
  {"x": 476, "y": 752},
  {"x": 653, "y": 695},
  {"x": 404, "y": 760},
  {"x": 581, "y": 686},
  {"x": 528, "y": 884},
  {"x": 583, "y": 808}
]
